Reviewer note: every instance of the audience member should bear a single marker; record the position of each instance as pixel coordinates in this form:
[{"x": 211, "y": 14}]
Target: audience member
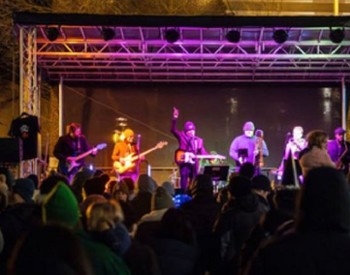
[{"x": 321, "y": 243}]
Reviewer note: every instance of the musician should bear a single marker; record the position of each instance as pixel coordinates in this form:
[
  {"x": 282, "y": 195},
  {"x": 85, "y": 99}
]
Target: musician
[
  {"x": 189, "y": 143},
  {"x": 246, "y": 147},
  {"x": 294, "y": 145},
  {"x": 125, "y": 148},
  {"x": 339, "y": 150},
  {"x": 68, "y": 147}
]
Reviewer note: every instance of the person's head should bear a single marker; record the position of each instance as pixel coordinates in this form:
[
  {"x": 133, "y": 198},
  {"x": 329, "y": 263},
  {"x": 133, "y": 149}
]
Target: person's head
[
  {"x": 239, "y": 187},
  {"x": 190, "y": 129},
  {"x": 247, "y": 170},
  {"x": 298, "y": 132},
  {"x": 74, "y": 129},
  {"x": 261, "y": 185},
  {"x": 317, "y": 138},
  {"x": 339, "y": 134},
  {"x": 248, "y": 128},
  {"x": 324, "y": 202},
  {"x": 201, "y": 186},
  {"x": 128, "y": 135},
  {"x": 101, "y": 216},
  {"x": 23, "y": 190},
  {"x": 49, "y": 249},
  {"x": 161, "y": 199}
]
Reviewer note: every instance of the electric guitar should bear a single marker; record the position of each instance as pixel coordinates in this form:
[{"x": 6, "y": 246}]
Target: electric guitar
[
  {"x": 75, "y": 161},
  {"x": 128, "y": 162},
  {"x": 189, "y": 157}
]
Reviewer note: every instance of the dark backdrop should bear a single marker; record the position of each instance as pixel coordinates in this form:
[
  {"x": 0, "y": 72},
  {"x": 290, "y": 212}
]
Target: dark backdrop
[{"x": 218, "y": 111}]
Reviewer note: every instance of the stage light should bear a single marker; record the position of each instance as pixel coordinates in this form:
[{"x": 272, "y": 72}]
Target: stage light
[
  {"x": 233, "y": 36},
  {"x": 280, "y": 36},
  {"x": 52, "y": 33},
  {"x": 107, "y": 34},
  {"x": 337, "y": 35},
  {"x": 172, "y": 35}
]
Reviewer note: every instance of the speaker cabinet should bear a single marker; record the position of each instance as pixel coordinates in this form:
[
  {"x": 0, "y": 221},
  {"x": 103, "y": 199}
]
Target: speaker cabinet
[{"x": 11, "y": 150}]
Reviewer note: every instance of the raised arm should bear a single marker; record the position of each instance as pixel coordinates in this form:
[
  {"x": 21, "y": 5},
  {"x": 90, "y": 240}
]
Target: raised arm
[{"x": 173, "y": 129}]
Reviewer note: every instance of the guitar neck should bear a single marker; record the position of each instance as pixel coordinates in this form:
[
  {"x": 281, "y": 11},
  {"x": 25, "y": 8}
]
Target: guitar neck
[
  {"x": 144, "y": 153},
  {"x": 83, "y": 155}
]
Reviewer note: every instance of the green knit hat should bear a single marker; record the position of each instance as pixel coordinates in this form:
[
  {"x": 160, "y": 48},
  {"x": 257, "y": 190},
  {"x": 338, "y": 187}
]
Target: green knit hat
[{"x": 61, "y": 206}]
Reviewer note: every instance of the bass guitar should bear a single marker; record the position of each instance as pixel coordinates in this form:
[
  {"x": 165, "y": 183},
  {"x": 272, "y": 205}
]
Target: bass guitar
[
  {"x": 74, "y": 162},
  {"x": 189, "y": 157},
  {"x": 129, "y": 162}
]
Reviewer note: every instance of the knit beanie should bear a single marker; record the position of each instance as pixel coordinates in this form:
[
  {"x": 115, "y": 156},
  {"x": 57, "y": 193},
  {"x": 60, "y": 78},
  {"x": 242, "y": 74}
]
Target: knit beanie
[
  {"x": 161, "y": 199},
  {"x": 248, "y": 126},
  {"x": 61, "y": 206},
  {"x": 25, "y": 188}
]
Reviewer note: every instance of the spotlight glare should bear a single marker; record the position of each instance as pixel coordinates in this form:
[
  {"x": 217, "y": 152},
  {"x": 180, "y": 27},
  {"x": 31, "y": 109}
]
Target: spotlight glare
[
  {"x": 337, "y": 35},
  {"x": 172, "y": 35},
  {"x": 107, "y": 34},
  {"x": 280, "y": 36},
  {"x": 233, "y": 36}
]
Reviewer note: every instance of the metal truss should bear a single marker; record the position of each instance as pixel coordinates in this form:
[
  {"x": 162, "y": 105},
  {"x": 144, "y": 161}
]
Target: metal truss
[
  {"x": 29, "y": 92},
  {"x": 29, "y": 97},
  {"x": 142, "y": 54}
]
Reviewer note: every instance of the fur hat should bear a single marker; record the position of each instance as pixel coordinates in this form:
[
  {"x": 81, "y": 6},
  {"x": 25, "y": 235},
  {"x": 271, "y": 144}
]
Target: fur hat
[
  {"x": 161, "y": 199},
  {"x": 25, "y": 188},
  {"x": 189, "y": 125}
]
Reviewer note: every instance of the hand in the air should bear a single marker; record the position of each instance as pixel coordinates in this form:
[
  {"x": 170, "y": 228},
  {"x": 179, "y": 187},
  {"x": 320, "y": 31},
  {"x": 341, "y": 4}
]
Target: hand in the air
[{"x": 175, "y": 112}]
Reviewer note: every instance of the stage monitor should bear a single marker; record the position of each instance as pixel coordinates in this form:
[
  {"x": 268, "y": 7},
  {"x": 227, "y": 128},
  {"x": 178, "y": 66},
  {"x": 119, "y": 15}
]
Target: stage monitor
[{"x": 217, "y": 172}]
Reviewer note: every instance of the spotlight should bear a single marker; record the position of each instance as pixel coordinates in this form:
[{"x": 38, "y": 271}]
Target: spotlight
[
  {"x": 172, "y": 35},
  {"x": 52, "y": 33},
  {"x": 337, "y": 35},
  {"x": 280, "y": 36},
  {"x": 107, "y": 34},
  {"x": 233, "y": 36}
]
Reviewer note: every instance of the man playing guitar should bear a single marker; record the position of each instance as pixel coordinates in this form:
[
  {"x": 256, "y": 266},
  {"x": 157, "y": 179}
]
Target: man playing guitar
[
  {"x": 122, "y": 152},
  {"x": 68, "y": 147},
  {"x": 191, "y": 145}
]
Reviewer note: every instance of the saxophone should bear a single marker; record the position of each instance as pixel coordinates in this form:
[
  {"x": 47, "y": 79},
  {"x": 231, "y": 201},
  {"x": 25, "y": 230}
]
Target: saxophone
[
  {"x": 259, "y": 158},
  {"x": 339, "y": 163}
]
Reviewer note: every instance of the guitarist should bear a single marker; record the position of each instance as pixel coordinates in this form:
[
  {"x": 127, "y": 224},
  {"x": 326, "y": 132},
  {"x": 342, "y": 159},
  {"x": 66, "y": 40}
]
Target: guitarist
[
  {"x": 122, "y": 149},
  {"x": 68, "y": 147},
  {"x": 188, "y": 142}
]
